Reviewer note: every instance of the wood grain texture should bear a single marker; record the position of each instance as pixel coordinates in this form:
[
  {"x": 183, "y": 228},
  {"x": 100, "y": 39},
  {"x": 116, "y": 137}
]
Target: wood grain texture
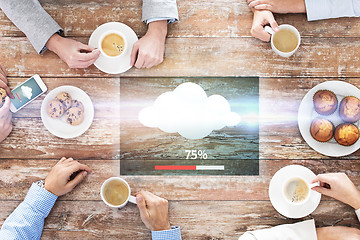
[
  {"x": 18, "y": 175},
  {"x": 225, "y": 57},
  {"x": 201, "y": 18},
  {"x": 204, "y": 220}
]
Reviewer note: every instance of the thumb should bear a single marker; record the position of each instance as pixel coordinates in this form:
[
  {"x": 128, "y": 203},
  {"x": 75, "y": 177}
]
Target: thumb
[
  {"x": 274, "y": 24},
  {"x": 134, "y": 51},
  {"x": 78, "y": 179},
  {"x": 322, "y": 190},
  {"x": 85, "y": 47},
  {"x": 6, "y": 106},
  {"x": 141, "y": 205}
]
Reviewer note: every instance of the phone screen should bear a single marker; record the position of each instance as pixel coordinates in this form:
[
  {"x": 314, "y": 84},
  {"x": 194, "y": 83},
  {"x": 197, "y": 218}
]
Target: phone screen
[{"x": 26, "y": 92}]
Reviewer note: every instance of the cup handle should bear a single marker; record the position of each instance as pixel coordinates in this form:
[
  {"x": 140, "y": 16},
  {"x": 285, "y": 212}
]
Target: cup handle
[
  {"x": 132, "y": 199},
  {"x": 316, "y": 184},
  {"x": 269, "y": 30}
]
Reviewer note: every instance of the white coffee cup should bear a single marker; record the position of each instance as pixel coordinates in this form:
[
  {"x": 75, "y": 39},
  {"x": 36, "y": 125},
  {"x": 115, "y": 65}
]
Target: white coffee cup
[
  {"x": 294, "y": 179},
  {"x": 288, "y": 27},
  {"x": 130, "y": 198},
  {"x": 102, "y": 38}
]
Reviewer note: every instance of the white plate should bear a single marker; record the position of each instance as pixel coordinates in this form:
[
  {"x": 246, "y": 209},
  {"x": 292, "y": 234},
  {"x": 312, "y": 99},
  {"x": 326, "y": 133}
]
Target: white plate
[
  {"x": 276, "y": 192},
  {"x": 307, "y": 113},
  {"x": 59, "y": 127},
  {"x": 121, "y": 64}
]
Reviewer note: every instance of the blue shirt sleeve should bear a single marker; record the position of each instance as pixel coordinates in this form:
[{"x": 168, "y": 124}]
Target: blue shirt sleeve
[
  {"x": 324, "y": 9},
  {"x": 173, "y": 234},
  {"x": 27, "y": 220}
]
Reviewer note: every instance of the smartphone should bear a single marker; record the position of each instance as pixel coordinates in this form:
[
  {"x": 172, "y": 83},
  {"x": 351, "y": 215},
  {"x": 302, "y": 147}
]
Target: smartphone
[{"x": 26, "y": 92}]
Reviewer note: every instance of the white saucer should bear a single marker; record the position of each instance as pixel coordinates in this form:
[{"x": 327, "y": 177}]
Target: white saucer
[
  {"x": 114, "y": 66},
  {"x": 59, "y": 127},
  {"x": 276, "y": 192},
  {"x": 307, "y": 113}
]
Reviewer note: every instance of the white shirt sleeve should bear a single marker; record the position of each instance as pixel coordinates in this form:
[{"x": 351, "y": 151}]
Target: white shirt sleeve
[
  {"x": 358, "y": 213},
  {"x": 324, "y": 9},
  {"x": 297, "y": 231}
]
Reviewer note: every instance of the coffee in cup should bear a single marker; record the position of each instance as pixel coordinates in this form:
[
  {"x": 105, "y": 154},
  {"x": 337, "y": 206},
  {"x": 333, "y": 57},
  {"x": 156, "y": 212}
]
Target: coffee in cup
[
  {"x": 286, "y": 41},
  {"x": 296, "y": 190},
  {"x": 116, "y": 192},
  {"x": 112, "y": 44}
]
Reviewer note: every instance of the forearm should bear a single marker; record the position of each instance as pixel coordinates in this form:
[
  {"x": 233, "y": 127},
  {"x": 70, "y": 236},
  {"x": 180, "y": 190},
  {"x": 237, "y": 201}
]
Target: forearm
[
  {"x": 324, "y": 9},
  {"x": 32, "y": 19},
  {"x": 27, "y": 220}
]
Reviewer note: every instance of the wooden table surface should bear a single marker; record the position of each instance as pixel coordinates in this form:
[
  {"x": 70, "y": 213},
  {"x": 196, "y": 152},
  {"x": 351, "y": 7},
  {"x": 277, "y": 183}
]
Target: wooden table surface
[{"x": 211, "y": 40}]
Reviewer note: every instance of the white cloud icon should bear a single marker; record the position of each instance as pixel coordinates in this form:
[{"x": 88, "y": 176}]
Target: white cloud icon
[
  {"x": 188, "y": 111},
  {"x": 26, "y": 91}
]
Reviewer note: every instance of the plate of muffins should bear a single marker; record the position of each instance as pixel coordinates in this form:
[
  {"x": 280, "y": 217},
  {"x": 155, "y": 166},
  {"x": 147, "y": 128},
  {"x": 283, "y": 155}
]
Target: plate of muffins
[
  {"x": 328, "y": 118},
  {"x": 67, "y": 112}
]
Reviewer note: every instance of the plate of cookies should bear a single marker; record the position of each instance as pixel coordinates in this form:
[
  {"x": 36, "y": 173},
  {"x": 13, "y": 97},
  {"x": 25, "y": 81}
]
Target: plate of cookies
[
  {"x": 67, "y": 112},
  {"x": 328, "y": 118}
]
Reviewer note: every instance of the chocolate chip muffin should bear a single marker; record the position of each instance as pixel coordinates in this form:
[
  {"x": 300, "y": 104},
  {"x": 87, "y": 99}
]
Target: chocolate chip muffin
[
  {"x": 349, "y": 109},
  {"x": 325, "y": 102},
  {"x": 321, "y": 129},
  {"x": 346, "y": 134}
]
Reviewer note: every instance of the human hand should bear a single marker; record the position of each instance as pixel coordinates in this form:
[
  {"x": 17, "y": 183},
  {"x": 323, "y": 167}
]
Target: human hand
[
  {"x": 279, "y": 6},
  {"x": 58, "y": 181},
  {"x": 5, "y": 119},
  {"x": 4, "y": 81},
  {"x": 75, "y": 54},
  {"x": 262, "y": 18},
  {"x": 338, "y": 186},
  {"x": 154, "y": 211},
  {"x": 149, "y": 51}
]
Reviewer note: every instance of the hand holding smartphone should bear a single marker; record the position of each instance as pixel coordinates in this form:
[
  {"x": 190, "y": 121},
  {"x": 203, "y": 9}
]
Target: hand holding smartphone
[{"x": 26, "y": 92}]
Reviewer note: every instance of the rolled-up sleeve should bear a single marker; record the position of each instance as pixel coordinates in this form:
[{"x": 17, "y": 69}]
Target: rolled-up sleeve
[
  {"x": 32, "y": 20},
  {"x": 159, "y": 9},
  {"x": 324, "y": 9}
]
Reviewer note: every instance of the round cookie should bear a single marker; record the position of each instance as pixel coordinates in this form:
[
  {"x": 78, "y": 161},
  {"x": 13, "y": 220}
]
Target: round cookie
[
  {"x": 65, "y": 99},
  {"x": 2, "y": 96},
  {"x": 55, "y": 109},
  {"x": 77, "y": 104},
  {"x": 74, "y": 116}
]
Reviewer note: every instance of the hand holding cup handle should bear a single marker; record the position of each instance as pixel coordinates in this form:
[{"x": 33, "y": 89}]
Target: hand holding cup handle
[{"x": 269, "y": 30}]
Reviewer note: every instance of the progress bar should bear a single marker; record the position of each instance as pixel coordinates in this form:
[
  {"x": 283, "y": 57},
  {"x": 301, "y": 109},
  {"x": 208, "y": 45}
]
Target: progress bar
[{"x": 189, "y": 167}]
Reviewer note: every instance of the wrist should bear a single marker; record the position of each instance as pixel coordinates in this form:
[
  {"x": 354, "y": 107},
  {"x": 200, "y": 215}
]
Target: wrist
[
  {"x": 53, "y": 42},
  {"x": 355, "y": 203},
  {"x": 162, "y": 228},
  {"x": 158, "y": 29}
]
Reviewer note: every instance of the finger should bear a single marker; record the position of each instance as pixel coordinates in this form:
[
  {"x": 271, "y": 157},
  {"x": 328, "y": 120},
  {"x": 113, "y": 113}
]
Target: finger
[
  {"x": 76, "y": 166},
  {"x": 62, "y": 159},
  {"x": 261, "y": 34},
  {"x": 85, "y": 47},
  {"x": 255, "y": 3},
  {"x": 273, "y": 24},
  {"x": 7, "y": 89},
  {"x": 68, "y": 160},
  {"x": 140, "y": 201},
  {"x": 6, "y": 107},
  {"x": 249, "y": 1},
  {"x": 140, "y": 61},
  {"x": 321, "y": 178},
  {"x": 134, "y": 52},
  {"x": 3, "y": 69},
  {"x": 90, "y": 56},
  {"x": 78, "y": 179},
  {"x": 263, "y": 7},
  {"x": 322, "y": 190}
]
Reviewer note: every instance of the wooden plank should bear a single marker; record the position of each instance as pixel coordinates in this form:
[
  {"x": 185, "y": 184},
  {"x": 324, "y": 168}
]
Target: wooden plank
[
  {"x": 17, "y": 175},
  {"x": 335, "y": 57},
  {"x": 104, "y": 93},
  {"x": 197, "y": 19},
  {"x": 197, "y": 219},
  {"x": 30, "y": 139}
]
